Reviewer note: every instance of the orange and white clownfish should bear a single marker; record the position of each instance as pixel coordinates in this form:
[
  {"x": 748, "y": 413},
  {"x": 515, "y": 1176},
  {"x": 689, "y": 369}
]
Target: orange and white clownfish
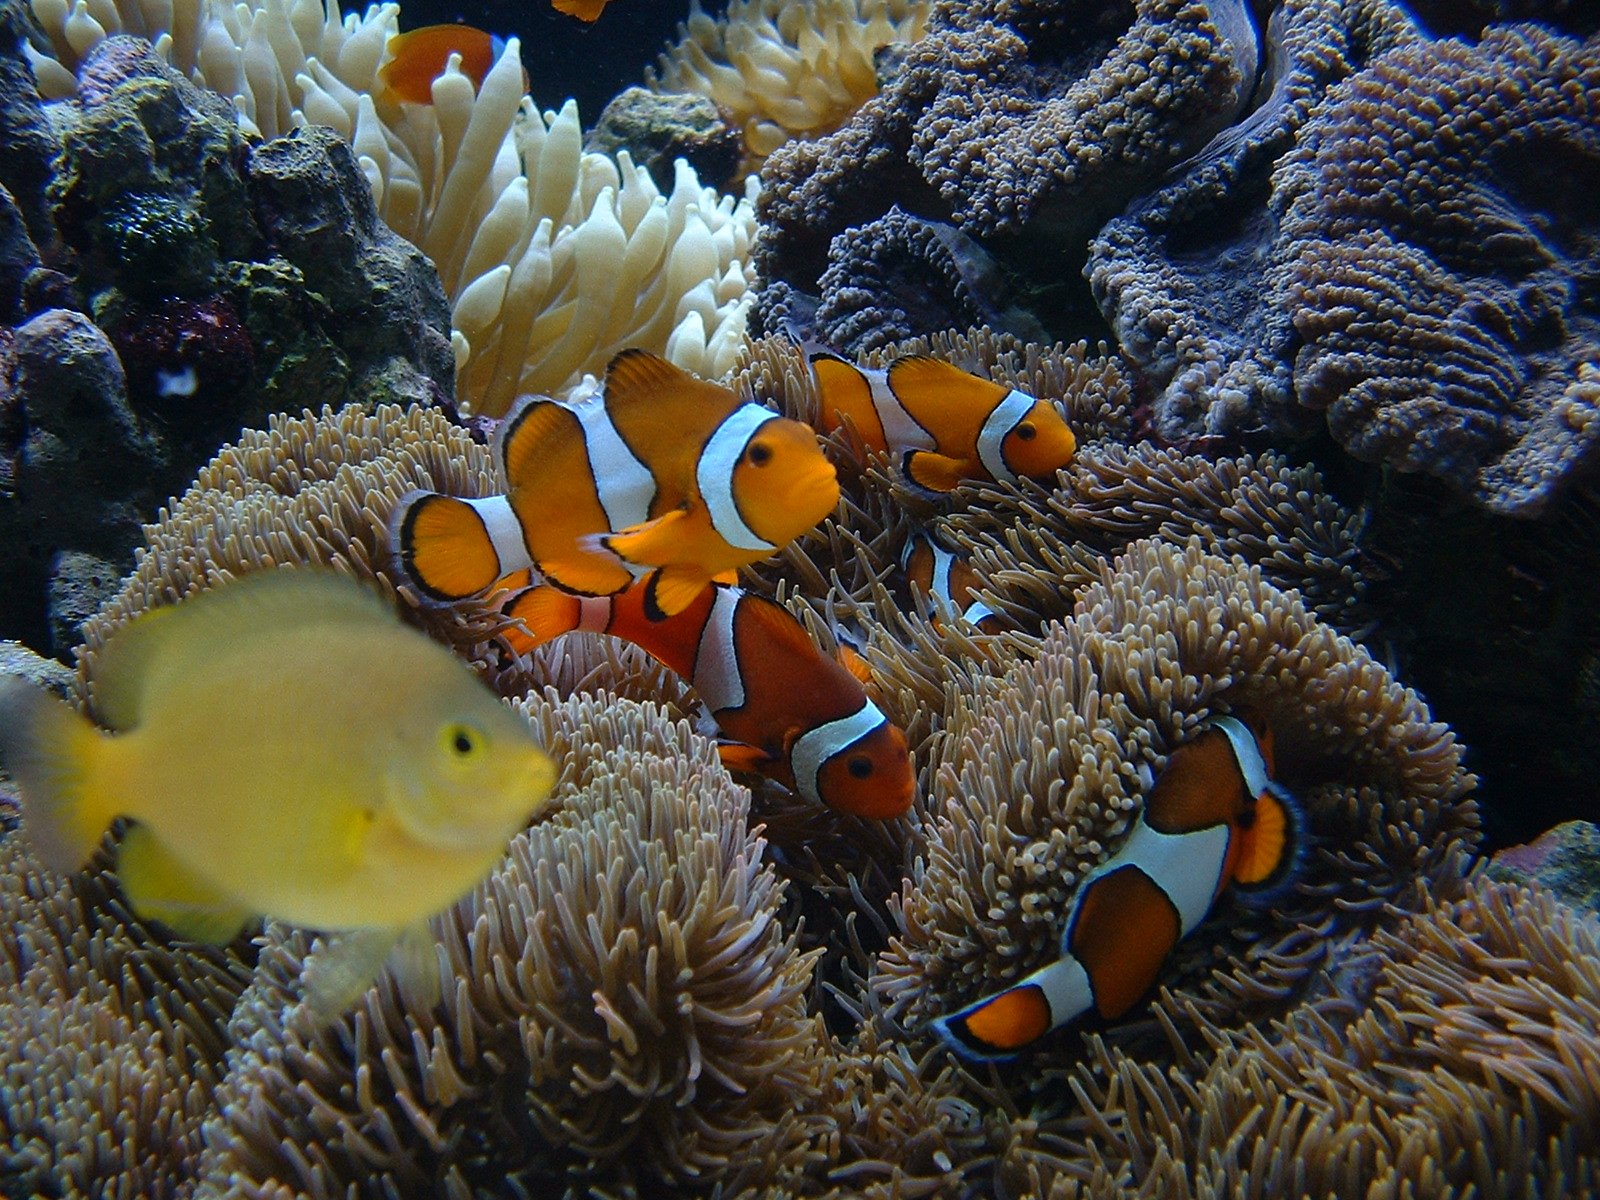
[
  {"x": 941, "y": 424},
  {"x": 794, "y": 714},
  {"x": 660, "y": 475},
  {"x": 946, "y": 577},
  {"x": 419, "y": 56},
  {"x": 1214, "y": 818}
]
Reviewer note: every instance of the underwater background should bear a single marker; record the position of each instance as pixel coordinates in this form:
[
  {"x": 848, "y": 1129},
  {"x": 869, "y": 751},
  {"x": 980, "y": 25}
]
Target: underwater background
[{"x": 1316, "y": 286}]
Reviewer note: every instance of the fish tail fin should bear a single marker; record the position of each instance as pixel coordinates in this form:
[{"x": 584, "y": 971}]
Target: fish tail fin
[
  {"x": 444, "y": 546},
  {"x": 584, "y": 10},
  {"x": 1000, "y": 1026},
  {"x": 547, "y": 612},
  {"x": 1274, "y": 846},
  {"x": 50, "y": 751}
]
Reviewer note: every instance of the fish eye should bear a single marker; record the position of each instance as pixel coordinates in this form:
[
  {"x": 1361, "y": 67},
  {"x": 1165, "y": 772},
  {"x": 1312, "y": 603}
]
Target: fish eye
[
  {"x": 463, "y": 741},
  {"x": 860, "y": 766},
  {"x": 1026, "y": 431},
  {"x": 759, "y": 454}
]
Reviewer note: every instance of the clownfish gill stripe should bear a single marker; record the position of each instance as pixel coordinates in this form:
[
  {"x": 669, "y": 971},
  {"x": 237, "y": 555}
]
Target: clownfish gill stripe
[
  {"x": 817, "y": 746},
  {"x": 623, "y": 484},
  {"x": 717, "y": 675},
  {"x": 1000, "y": 422},
  {"x": 1248, "y": 753},
  {"x": 714, "y": 476},
  {"x": 505, "y": 533},
  {"x": 1187, "y": 867}
]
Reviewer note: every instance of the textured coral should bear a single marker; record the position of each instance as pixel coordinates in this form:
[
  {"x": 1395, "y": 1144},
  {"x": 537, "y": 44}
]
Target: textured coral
[
  {"x": 1041, "y": 766},
  {"x": 783, "y": 70},
  {"x": 896, "y": 276},
  {"x": 1191, "y": 277},
  {"x": 1443, "y": 263},
  {"x": 1035, "y": 550},
  {"x": 1012, "y": 116},
  {"x": 1466, "y": 1066},
  {"x": 627, "y": 1011},
  {"x": 114, "y": 1041}
]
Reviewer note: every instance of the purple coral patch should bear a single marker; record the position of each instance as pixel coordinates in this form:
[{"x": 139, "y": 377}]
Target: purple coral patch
[{"x": 184, "y": 353}]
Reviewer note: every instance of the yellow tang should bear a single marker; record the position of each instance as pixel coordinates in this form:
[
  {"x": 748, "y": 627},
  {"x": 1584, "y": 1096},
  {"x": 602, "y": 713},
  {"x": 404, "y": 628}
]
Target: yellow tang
[{"x": 284, "y": 746}]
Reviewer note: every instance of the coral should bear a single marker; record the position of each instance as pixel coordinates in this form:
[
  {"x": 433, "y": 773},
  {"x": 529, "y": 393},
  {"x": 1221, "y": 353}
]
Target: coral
[
  {"x": 1036, "y": 550},
  {"x": 1465, "y": 1066},
  {"x": 657, "y": 129},
  {"x": 114, "y": 1040},
  {"x": 628, "y": 1013},
  {"x": 898, "y": 275},
  {"x": 1564, "y": 861},
  {"x": 1443, "y": 263},
  {"x": 312, "y": 489},
  {"x": 1010, "y": 116},
  {"x": 1041, "y": 764},
  {"x": 1191, "y": 277},
  {"x": 551, "y": 259},
  {"x": 784, "y": 71}
]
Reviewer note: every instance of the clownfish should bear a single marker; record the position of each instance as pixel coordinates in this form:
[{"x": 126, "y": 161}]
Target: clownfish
[
  {"x": 419, "y": 56},
  {"x": 794, "y": 714},
  {"x": 1214, "y": 818},
  {"x": 946, "y": 577},
  {"x": 660, "y": 475},
  {"x": 584, "y": 10},
  {"x": 942, "y": 424}
]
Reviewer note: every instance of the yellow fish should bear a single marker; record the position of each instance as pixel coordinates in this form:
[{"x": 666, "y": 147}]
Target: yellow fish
[{"x": 283, "y": 746}]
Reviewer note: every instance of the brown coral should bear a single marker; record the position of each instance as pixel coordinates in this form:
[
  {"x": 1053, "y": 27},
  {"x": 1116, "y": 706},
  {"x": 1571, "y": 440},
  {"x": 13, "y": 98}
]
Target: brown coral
[
  {"x": 1191, "y": 277},
  {"x": 114, "y": 1040},
  {"x": 1041, "y": 768},
  {"x": 1013, "y": 115},
  {"x": 1470, "y": 1069},
  {"x": 627, "y": 1010},
  {"x": 1443, "y": 263}
]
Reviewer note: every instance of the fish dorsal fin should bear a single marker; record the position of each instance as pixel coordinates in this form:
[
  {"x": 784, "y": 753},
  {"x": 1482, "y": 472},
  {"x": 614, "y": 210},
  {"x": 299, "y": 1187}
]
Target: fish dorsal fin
[
  {"x": 538, "y": 436},
  {"x": 162, "y": 640},
  {"x": 664, "y": 415},
  {"x": 930, "y": 387}
]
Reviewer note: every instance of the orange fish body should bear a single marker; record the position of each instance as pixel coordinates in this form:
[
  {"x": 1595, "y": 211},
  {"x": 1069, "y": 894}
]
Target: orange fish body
[
  {"x": 1213, "y": 819},
  {"x": 660, "y": 475},
  {"x": 797, "y": 715},
  {"x": 419, "y": 56},
  {"x": 584, "y": 10},
  {"x": 947, "y": 579},
  {"x": 941, "y": 424}
]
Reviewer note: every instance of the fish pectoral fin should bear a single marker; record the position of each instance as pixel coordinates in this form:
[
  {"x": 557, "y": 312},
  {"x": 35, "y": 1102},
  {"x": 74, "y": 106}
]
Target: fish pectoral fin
[
  {"x": 414, "y": 963},
  {"x": 340, "y": 970},
  {"x": 738, "y": 756},
  {"x": 161, "y": 888},
  {"x": 650, "y": 543},
  {"x": 670, "y": 590},
  {"x": 933, "y": 471},
  {"x": 589, "y": 570}
]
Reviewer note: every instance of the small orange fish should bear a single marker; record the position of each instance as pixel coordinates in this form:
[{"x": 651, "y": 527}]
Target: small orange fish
[
  {"x": 584, "y": 10},
  {"x": 948, "y": 578},
  {"x": 1214, "y": 818},
  {"x": 419, "y": 56},
  {"x": 662, "y": 475},
  {"x": 943, "y": 425},
  {"x": 793, "y": 713}
]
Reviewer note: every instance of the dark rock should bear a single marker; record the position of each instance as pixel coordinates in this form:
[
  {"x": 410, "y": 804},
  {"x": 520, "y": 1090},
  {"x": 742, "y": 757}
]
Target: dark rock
[
  {"x": 657, "y": 130},
  {"x": 1566, "y": 860}
]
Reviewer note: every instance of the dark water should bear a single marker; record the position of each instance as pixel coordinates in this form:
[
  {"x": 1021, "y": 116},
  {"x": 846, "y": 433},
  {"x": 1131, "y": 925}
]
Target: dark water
[{"x": 563, "y": 56}]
